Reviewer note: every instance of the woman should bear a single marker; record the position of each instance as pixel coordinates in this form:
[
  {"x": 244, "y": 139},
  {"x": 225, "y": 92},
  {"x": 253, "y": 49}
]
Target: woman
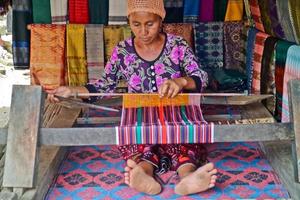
[{"x": 153, "y": 61}]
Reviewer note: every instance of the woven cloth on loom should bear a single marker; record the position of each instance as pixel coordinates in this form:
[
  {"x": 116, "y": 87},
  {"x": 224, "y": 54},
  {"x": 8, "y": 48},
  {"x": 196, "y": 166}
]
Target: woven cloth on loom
[
  {"x": 292, "y": 71},
  {"x": 206, "y": 11},
  {"x": 184, "y": 30},
  {"x": 191, "y": 11},
  {"x": 94, "y": 51},
  {"x": 174, "y": 11},
  {"x": 22, "y": 16},
  {"x": 79, "y": 11},
  {"x": 220, "y": 8},
  {"x": 98, "y": 11},
  {"x": 295, "y": 17},
  {"x": 117, "y": 13},
  {"x": 274, "y": 17},
  {"x": 209, "y": 44},
  {"x": 234, "y": 46},
  {"x": 59, "y": 11},
  {"x": 41, "y": 11},
  {"x": 256, "y": 15},
  {"x": 235, "y": 10},
  {"x": 257, "y": 59},
  {"x": 47, "y": 58},
  {"x": 76, "y": 59},
  {"x": 265, "y": 16}
]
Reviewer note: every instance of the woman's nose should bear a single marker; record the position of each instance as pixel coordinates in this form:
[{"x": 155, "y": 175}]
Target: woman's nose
[{"x": 144, "y": 30}]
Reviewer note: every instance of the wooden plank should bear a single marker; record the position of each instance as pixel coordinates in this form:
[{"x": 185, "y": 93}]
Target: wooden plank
[
  {"x": 294, "y": 101},
  {"x": 21, "y": 151},
  {"x": 98, "y": 120},
  {"x": 234, "y": 100},
  {"x": 3, "y": 136},
  {"x": 8, "y": 196}
]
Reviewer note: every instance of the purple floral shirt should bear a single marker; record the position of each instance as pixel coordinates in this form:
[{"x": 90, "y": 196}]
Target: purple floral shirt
[{"x": 176, "y": 60}]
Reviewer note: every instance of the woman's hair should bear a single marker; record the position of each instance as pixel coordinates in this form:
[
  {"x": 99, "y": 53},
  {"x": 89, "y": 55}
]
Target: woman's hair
[{"x": 4, "y": 6}]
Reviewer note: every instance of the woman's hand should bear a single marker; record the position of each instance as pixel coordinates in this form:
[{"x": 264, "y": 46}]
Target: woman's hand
[
  {"x": 170, "y": 88},
  {"x": 62, "y": 91}
]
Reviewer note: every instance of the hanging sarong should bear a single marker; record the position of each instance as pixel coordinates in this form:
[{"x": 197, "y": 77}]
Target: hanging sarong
[
  {"x": 206, "y": 11},
  {"x": 174, "y": 11},
  {"x": 191, "y": 11},
  {"x": 41, "y": 11},
  {"x": 59, "y": 11},
  {"x": 256, "y": 15},
  {"x": 294, "y": 11},
  {"x": 98, "y": 11},
  {"x": 117, "y": 12},
  {"x": 235, "y": 10},
  {"x": 220, "y": 8},
  {"x": 265, "y": 16},
  {"x": 79, "y": 11},
  {"x": 76, "y": 59},
  {"x": 47, "y": 58},
  {"x": 275, "y": 22}
]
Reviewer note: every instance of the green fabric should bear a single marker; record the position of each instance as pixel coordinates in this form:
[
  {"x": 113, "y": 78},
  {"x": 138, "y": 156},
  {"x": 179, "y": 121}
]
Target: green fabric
[
  {"x": 191, "y": 127},
  {"x": 228, "y": 76},
  {"x": 281, "y": 52},
  {"x": 98, "y": 11},
  {"x": 220, "y": 7},
  {"x": 41, "y": 11},
  {"x": 139, "y": 126},
  {"x": 264, "y": 11}
]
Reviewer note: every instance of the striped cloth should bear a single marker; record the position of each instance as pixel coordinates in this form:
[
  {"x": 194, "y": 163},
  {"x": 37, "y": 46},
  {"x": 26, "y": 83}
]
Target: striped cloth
[
  {"x": 98, "y": 11},
  {"x": 41, "y": 11},
  {"x": 206, "y": 11},
  {"x": 257, "y": 61},
  {"x": 174, "y": 11},
  {"x": 59, "y": 11},
  {"x": 275, "y": 22},
  {"x": 294, "y": 11},
  {"x": 265, "y": 16},
  {"x": 209, "y": 44},
  {"x": 292, "y": 71},
  {"x": 22, "y": 16},
  {"x": 163, "y": 125},
  {"x": 220, "y": 8},
  {"x": 94, "y": 51},
  {"x": 117, "y": 13},
  {"x": 256, "y": 15},
  {"x": 78, "y": 11},
  {"x": 235, "y": 10},
  {"x": 76, "y": 59},
  {"x": 191, "y": 11},
  {"x": 47, "y": 58}
]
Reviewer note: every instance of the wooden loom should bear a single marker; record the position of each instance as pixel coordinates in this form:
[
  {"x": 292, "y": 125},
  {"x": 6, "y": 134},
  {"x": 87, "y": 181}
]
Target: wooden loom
[{"x": 24, "y": 136}]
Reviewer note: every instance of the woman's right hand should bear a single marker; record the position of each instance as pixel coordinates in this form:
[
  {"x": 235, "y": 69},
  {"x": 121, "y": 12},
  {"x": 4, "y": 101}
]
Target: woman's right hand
[{"x": 62, "y": 91}]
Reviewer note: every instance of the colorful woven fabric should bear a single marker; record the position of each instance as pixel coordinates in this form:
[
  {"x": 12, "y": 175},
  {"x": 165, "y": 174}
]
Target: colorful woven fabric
[
  {"x": 41, "y": 11},
  {"x": 234, "y": 46},
  {"x": 117, "y": 13},
  {"x": 257, "y": 61},
  {"x": 235, "y": 10},
  {"x": 184, "y": 30},
  {"x": 275, "y": 22},
  {"x": 191, "y": 11},
  {"x": 256, "y": 15},
  {"x": 292, "y": 71},
  {"x": 209, "y": 44},
  {"x": 94, "y": 51},
  {"x": 220, "y": 8},
  {"x": 76, "y": 58},
  {"x": 265, "y": 16},
  {"x": 47, "y": 58},
  {"x": 98, "y": 11},
  {"x": 206, "y": 11},
  {"x": 174, "y": 11},
  {"x": 281, "y": 54},
  {"x": 59, "y": 11},
  {"x": 79, "y": 11},
  {"x": 294, "y": 11}
]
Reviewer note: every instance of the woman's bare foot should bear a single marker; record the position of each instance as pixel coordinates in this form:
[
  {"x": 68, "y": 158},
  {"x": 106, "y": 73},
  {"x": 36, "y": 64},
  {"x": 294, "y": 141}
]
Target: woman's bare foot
[
  {"x": 137, "y": 178},
  {"x": 198, "y": 181}
]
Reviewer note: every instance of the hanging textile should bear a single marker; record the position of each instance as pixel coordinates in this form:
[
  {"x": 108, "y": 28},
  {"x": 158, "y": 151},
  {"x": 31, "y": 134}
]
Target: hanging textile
[
  {"x": 174, "y": 11},
  {"x": 265, "y": 16},
  {"x": 117, "y": 12},
  {"x": 220, "y": 8},
  {"x": 235, "y": 10},
  {"x": 76, "y": 59},
  {"x": 22, "y": 16},
  {"x": 41, "y": 11},
  {"x": 78, "y": 11},
  {"x": 248, "y": 13},
  {"x": 292, "y": 71},
  {"x": 234, "y": 46},
  {"x": 209, "y": 44},
  {"x": 206, "y": 11},
  {"x": 191, "y": 11},
  {"x": 94, "y": 51},
  {"x": 59, "y": 13},
  {"x": 275, "y": 22},
  {"x": 184, "y": 30},
  {"x": 294, "y": 11},
  {"x": 98, "y": 11},
  {"x": 47, "y": 58},
  {"x": 256, "y": 15},
  {"x": 280, "y": 60},
  {"x": 257, "y": 60}
]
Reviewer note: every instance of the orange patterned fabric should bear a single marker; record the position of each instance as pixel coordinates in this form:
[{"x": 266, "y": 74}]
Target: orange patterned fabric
[{"x": 47, "y": 57}]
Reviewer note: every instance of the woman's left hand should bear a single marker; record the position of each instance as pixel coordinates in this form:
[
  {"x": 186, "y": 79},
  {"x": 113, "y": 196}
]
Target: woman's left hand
[{"x": 170, "y": 88}]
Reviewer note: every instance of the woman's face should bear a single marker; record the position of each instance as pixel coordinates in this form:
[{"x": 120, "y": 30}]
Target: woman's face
[{"x": 145, "y": 26}]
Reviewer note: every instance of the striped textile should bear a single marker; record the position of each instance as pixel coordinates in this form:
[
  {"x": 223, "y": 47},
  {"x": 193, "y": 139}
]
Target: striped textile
[
  {"x": 209, "y": 44},
  {"x": 174, "y": 11},
  {"x": 94, "y": 51},
  {"x": 59, "y": 11},
  {"x": 191, "y": 11},
  {"x": 280, "y": 61},
  {"x": 22, "y": 16},
  {"x": 248, "y": 12},
  {"x": 163, "y": 125},
  {"x": 294, "y": 11},
  {"x": 265, "y": 16},
  {"x": 184, "y": 30},
  {"x": 292, "y": 71},
  {"x": 98, "y": 11},
  {"x": 117, "y": 12},
  {"x": 79, "y": 11},
  {"x": 220, "y": 8},
  {"x": 235, "y": 10},
  {"x": 47, "y": 58},
  {"x": 206, "y": 11},
  {"x": 275, "y": 22},
  {"x": 257, "y": 61},
  {"x": 76, "y": 59},
  {"x": 41, "y": 11},
  {"x": 256, "y": 15}
]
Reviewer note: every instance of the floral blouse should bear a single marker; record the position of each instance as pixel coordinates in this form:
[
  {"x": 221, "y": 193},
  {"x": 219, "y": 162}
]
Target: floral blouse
[{"x": 175, "y": 60}]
